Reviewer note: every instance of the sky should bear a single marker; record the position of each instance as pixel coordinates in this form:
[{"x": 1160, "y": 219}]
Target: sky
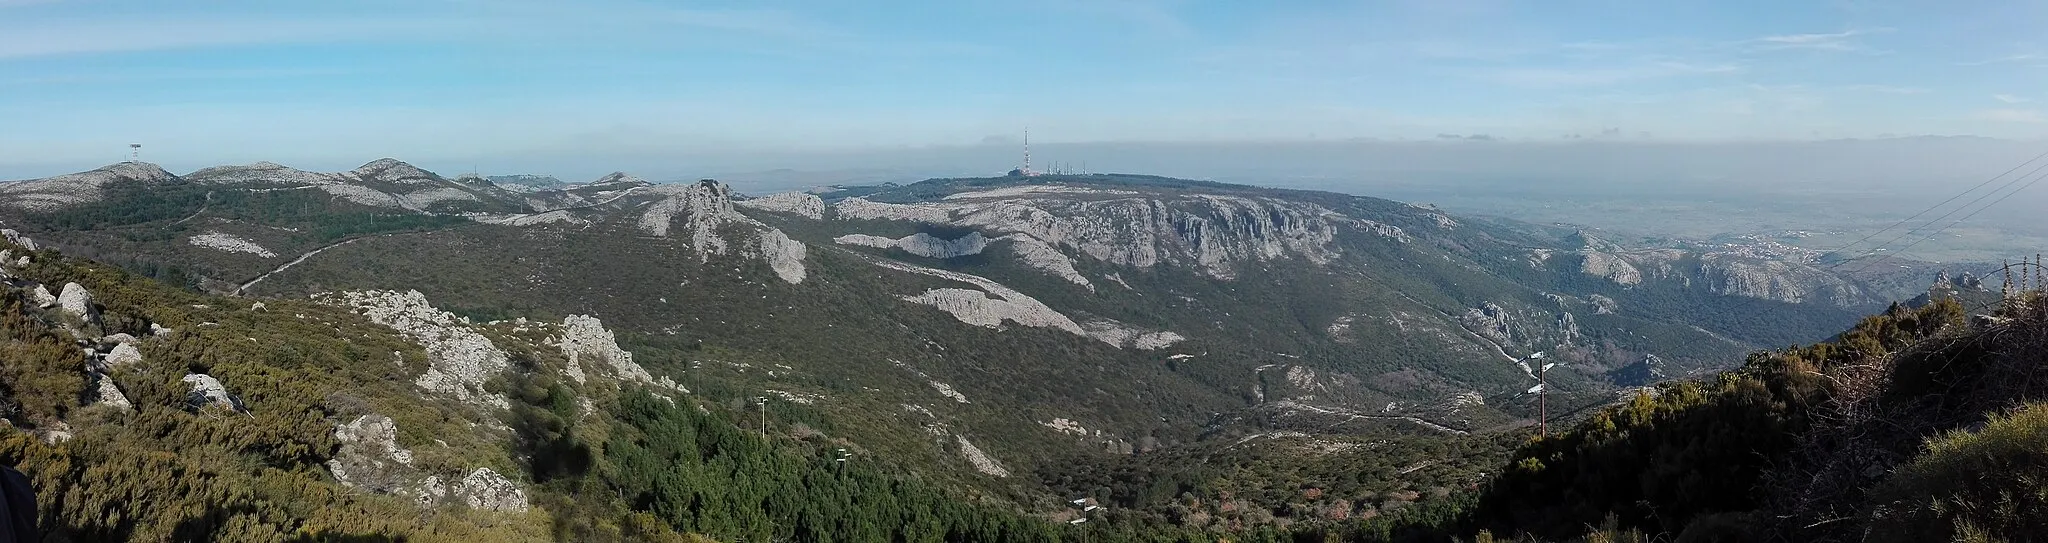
[{"x": 577, "y": 89}]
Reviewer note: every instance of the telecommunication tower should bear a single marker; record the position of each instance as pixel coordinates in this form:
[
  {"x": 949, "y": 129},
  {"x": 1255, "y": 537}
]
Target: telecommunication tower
[{"x": 134, "y": 152}]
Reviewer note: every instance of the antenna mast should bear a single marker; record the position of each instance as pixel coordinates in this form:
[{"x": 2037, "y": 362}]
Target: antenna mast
[
  {"x": 134, "y": 152},
  {"x": 1027, "y": 151}
]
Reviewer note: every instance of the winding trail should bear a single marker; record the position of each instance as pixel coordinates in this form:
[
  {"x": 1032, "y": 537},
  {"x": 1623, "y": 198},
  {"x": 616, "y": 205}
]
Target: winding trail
[
  {"x": 1287, "y": 404},
  {"x": 202, "y": 209},
  {"x": 302, "y": 258}
]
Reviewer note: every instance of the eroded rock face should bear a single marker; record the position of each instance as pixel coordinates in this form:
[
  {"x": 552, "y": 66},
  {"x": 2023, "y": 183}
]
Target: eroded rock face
[
  {"x": 207, "y": 390},
  {"x": 459, "y": 359},
  {"x": 996, "y": 304},
  {"x": 795, "y": 203},
  {"x": 586, "y": 343},
  {"x": 921, "y": 244},
  {"x": 1777, "y": 280},
  {"x": 785, "y": 256},
  {"x": 1036, "y": 253},
  {"x": 1491, "y": 322},
  {"x": 704, "y": 210},
  {"x": 701, "y": 207},
  {"x": 1208, "y": 232}
]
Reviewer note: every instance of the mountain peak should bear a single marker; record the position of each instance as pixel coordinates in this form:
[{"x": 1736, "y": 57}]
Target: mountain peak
[
  {"x": 619, "y": 177},
  {"x": 143, "y": 171},
  {"x": 391, "y": 168}
]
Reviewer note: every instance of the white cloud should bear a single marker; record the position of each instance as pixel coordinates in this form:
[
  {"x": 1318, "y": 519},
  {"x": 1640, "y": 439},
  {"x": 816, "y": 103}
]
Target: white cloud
[
  {"x": 1887, "y": 89},
  {"x": 49, "y": 38},
  {"x": 2010, "y": 99},
  {"x": 1585, "y": 77},
  {"x": 1837, "y": 41},
  {"x": 2010, "y": 116},
  {"x": 2014, "y": 58}
]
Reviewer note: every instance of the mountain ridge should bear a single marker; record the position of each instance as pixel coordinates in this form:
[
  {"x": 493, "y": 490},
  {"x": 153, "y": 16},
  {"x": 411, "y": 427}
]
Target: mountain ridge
[{"x": 1162, "y": 316}]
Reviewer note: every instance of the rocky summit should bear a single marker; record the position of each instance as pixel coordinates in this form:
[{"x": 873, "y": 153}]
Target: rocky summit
[{"x": 1018, "y": 338}]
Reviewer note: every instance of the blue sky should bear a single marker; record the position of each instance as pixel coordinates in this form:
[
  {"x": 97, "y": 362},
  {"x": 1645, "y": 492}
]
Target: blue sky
[{"x": 326, "y": 84}]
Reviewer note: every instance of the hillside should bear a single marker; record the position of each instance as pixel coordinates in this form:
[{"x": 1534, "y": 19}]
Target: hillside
[{"x": 1022, "y": 340}]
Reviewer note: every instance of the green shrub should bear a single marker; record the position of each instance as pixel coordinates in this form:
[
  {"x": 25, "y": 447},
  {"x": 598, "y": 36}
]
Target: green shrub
[{"x": 1988, "y": 485}]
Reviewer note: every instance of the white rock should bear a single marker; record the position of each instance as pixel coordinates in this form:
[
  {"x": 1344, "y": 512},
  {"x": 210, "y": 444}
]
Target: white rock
[
  {"x": 459, "y": 360},
  {"x": 785, "y": 256},
  {"x": 369, "y": 457},
  {"x": 487, "y": 490},
  {"x": 981, "y": 461},
  {"x": 862, "y": 209},
  {"x": 1065, "y": 426},
  {"x": 76, "y": 301},
  {"x": 208, "y": 390},
  {"x": 17, "y": 239},
  {"x": 1036, "y": 253},
  {"x": 122, "y": 355},
  {"x": 1125, "y": 336},
  {"x": 43, "y": 297},
  {"x": 108, "y": 394},
  {"x": 795, "y": 203},
  {"x": 585, "y": 342},
  {"x": 921, "y": 244},
  {"x": 229, "y": 243}
]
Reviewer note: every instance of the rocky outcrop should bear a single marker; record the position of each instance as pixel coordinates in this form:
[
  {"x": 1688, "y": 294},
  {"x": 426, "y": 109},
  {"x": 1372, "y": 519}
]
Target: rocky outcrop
[
  {"x": 459, "y": 359},
  {"x": 860, "y": 209},
  {"x": 921, "y": 244},
  {"x": 785, "y": 256},
  {"x": 1121, "y": 335},
  {"x": 229, "y": 243},
  {"x": 487, "y": 490},
  {"x": 981, "y": 461},
  {"x": 43, "y": 297},
  {"x": 370, "y": 458},
  {"x": 1036, "y": 253},
  {"x": 1208, "y": 232},
  {"x": 704, "y": 210},
  {"x": 1777, "y": 280},
  {"x": 104, "y": 392},
  {"x": 1490, "y": 321},
  {"x": 206, "y": 391},
  {"x": 980, "y": 309},
  {"x": 804, "y": 205},
  {"x": 586, "y": 343},
  {"x": 17, "y": 239},
  {"x": 995, "y": 304},
  {"x": 123, "y": 354},
  {"x": 1610, "y": 267},
  {"x": 77, "y": 302}
]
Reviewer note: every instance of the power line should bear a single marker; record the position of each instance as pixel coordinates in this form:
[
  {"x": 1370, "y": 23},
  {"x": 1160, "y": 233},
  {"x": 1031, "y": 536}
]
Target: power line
[
  {"x": 2001, "y": 188},
  {"x": 1938, "y": 231}
]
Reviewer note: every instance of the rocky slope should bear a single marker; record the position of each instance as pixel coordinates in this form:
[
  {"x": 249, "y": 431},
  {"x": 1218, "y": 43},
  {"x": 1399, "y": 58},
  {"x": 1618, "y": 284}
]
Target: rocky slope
[{"x": 1153, "y": 313}]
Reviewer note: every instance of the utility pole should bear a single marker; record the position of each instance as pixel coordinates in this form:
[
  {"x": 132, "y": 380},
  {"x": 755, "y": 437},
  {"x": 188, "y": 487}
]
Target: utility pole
[{"x": 763, "y": 401}]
